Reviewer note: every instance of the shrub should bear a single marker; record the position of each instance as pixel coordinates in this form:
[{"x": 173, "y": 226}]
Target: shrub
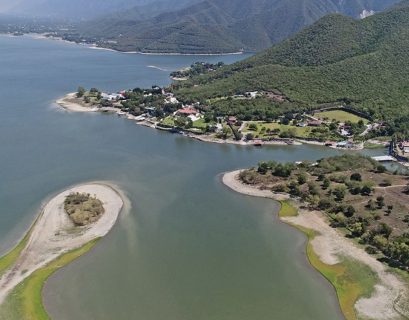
[{"x": 356, "y": 177}]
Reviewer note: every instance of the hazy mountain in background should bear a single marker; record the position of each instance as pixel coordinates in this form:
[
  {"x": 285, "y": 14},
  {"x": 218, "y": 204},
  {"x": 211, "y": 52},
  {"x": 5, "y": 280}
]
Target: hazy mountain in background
[
  {"x": 214, "y": 26},
  {"x": 67, "y": 9}
]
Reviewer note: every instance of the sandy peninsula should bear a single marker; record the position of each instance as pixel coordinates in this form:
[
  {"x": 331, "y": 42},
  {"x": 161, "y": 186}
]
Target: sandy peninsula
[
  {"x": 71, "y": 103},
  {"x": 54, "y": 233},
  {"x": 388, "y": 300}
]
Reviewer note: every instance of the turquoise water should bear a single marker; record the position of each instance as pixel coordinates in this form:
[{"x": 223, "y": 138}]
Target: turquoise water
[{"x": 187, "y": 248}]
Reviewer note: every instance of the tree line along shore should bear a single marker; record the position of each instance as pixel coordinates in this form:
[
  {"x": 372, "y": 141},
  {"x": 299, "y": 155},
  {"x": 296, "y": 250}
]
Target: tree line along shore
[
  {"x": 339, "y": 126},
  {"x": 356, "y": 215}
]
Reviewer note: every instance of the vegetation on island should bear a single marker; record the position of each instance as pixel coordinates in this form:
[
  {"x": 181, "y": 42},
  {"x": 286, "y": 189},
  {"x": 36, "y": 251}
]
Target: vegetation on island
[
  {"x": 83, "y": 209},
  {"x": 357, "y": 194}
]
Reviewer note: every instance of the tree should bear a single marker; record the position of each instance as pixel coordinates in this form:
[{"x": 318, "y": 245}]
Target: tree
[
  {"x": 380, "y": 169},
  {"x": 253, "y": 127},
  {"x": 366, "y": 190},
  {"x": 349, "y": 212},
  {"x": 262, "y": 168},
  {"x": 324, "y": 204},
  {"x": 339, "y": 193},
  {"x": 357, "y": 229},
  {"x": 249, "y": 136},
  {"x": 384, "y": 229},
  {"x": 380, "y": 201},
  {"x": 386, "y": 183},
  {"x": 80, "y": 92},
  {"x": 312, "y": 189},
  {"x": 326, "y": 184},
  {"x": 380, "y": 241},
  {"x": 302, "y": 178},
  {"x": 390, "y": 208},
  {"x": 356, "y": 177},
  {"x": 371, "y": 205},
  {"x": 321, "y": 177}
]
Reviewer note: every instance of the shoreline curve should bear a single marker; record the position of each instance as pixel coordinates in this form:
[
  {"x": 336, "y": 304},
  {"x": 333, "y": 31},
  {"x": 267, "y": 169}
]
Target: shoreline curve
[
  {"x": 53, "y": 236},
  {"x": 331, "y": 254}
]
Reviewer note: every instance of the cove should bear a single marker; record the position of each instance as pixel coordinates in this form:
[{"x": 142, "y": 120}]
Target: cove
[{"x": 186, "y": 247}]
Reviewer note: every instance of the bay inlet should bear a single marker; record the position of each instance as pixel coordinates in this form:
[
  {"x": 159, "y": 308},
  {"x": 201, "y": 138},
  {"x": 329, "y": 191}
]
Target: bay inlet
[{"x": 188, "y": 247}]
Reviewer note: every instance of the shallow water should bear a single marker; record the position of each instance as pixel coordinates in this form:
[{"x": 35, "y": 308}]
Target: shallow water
[{"x": 188, "y": 248}]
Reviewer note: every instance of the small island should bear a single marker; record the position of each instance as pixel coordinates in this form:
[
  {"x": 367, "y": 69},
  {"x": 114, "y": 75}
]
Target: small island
[
  {"x": 69, "y": 225},
  {"x": 356, "y": 216}
]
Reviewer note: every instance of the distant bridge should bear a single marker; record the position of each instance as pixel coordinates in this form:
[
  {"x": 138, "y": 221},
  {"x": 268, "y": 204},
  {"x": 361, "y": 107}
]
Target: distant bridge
[{"x": 384, "y": 158}]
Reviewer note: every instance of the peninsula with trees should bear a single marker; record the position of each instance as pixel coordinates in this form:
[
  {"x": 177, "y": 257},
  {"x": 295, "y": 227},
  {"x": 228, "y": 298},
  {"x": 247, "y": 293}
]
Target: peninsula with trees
[
  {"x": 340, "y": 82},
  {"x": 356, "y": 216}
]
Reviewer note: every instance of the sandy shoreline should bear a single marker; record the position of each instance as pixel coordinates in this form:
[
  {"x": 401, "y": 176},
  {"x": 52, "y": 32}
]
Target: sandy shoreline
[
  {"x": 53, "y": 233},
  {"x": 69, "y": 103},
  {"x": 389, "y": 298},
  {"x": 43, "y": 36}
]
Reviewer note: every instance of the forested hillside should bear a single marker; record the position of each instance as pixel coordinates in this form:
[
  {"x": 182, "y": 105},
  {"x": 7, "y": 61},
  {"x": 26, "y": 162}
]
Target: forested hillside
[
  {"x": 336, "y": 61},
  {"x": 214, "y": 26}
]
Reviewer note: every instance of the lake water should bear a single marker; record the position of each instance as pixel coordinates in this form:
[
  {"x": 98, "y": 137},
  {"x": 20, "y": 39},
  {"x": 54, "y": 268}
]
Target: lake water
[{"x": 188, "y": 248}]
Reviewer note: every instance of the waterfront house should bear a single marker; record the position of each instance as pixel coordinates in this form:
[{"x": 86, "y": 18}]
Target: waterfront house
[
  {"x": 187, "y": 111},
  {"x": 315, "y": 123}
]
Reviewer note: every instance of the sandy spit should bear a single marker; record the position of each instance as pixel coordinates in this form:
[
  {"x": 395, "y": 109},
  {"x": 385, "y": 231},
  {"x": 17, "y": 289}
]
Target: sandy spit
[
  {"x": 55, "y": 234},
  {"x": 391, "y": 293},
  {"x": 69, "y": 103}
]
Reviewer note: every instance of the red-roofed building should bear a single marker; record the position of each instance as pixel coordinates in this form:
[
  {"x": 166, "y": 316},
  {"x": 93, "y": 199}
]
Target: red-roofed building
[{"x": 187, "y": 111}]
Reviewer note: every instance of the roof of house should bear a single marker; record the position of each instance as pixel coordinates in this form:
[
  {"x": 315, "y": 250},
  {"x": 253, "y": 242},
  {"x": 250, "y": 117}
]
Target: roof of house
[{"x": 187, "y": 110}]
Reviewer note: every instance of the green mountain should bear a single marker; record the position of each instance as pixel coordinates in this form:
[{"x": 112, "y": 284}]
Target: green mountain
[
  {"x": 214, "y": 26},
  {"x": 336, "y": 61}
]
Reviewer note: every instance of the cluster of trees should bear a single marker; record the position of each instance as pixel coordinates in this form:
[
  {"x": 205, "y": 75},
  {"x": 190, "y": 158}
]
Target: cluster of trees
[
  {"x": 277, "y": 169},
  {"x": 326, "y": 186},
  {"x": 137, "y": 100},
  {"x": 196, "y": 69}
]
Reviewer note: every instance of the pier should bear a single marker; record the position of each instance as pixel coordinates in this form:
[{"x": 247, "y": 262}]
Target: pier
[{"x": 384, "y": 158}]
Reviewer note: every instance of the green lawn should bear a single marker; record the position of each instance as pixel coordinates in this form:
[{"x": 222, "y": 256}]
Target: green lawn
[
  {"x": 339, "y": 115},
  {"x": 200, "y": 124},
  {"x": 25, "y": 301},
  {"x": 287, "y": 210},
  {"x": 168, "y": 121},
  {"x": 351, "y": 279},
  {"x": 301, "y": 132}
]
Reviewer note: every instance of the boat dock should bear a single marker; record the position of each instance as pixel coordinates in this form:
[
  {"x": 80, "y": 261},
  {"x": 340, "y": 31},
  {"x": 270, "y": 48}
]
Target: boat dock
[{"x": 384, "y": 158}]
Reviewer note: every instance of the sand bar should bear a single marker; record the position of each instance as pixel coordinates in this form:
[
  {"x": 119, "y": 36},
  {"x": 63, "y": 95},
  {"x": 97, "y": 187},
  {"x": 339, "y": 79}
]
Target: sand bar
[
  {"x": 71, "y": 103},
  {"x": 55, "y": 234}
]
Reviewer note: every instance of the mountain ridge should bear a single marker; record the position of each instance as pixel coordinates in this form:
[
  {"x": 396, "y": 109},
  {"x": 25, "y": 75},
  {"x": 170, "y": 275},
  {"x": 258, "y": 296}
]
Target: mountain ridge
[
  {"x": 337, "y": 61},
  {"x": 221, "y": 26}
]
